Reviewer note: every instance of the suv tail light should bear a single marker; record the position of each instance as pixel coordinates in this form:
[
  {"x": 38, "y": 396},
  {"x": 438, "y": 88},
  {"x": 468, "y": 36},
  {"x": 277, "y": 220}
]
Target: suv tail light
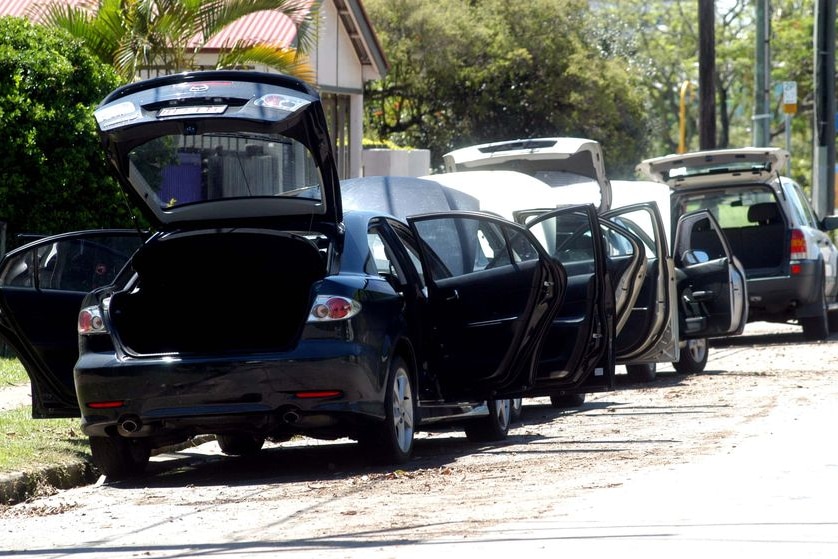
[{"x": 798, "y": 245}]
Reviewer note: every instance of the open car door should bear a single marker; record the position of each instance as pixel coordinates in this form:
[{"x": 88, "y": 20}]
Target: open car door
[
  {"x": 492, "y": 291},
  {"x": 625, "y": 261},
  {"x": 650, "y": 331},
  {"x": 710, "y": 281},
  {"x": 578, "y": 354},
  {"x": 42, "y": 285}
]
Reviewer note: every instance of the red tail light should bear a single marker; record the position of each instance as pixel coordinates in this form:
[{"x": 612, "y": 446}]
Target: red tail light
[
  {"x": 330, "y": 307},
  {"x": 90, "y": 321},
  {"x": 798, "y": 245}
]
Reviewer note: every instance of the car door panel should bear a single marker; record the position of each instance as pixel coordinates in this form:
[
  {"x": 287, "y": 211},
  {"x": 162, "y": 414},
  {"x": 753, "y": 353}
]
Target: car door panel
[
  {"x": 650, "y": 333},
  {"x": 491, "y": 292},
  {"x": 711, "y": 282},
  {"x": 578, "y": 353},
  {"x": 42, "y": 285}
]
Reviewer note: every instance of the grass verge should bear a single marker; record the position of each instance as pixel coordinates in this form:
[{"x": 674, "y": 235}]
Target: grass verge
[
  {"x": 12, "y": 372},
  {"x": 27, "y": 444}
]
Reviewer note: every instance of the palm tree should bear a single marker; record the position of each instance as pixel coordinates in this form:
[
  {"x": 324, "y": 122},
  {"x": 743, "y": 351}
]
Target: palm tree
[{"x": 133, "y": 35}]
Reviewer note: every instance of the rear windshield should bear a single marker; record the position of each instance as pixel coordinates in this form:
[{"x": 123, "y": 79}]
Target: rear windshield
[
  {"x": 736, "y": 207},
  {"x": 177, "y": 170}
]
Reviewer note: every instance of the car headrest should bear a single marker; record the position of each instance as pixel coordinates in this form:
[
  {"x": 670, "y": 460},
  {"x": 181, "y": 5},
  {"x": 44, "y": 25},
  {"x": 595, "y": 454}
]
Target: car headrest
[{"x": 766, "y": 212}]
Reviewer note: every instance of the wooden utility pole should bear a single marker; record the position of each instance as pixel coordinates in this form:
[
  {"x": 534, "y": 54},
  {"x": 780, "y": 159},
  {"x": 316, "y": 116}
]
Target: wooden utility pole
[
  {"x": 823, "y": 172},
  {"x": 707, "y": 73}
]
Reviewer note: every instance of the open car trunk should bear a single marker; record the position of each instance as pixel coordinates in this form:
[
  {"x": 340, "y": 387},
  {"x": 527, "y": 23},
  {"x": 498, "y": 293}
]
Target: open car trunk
[{"x": 218, "y": 292}]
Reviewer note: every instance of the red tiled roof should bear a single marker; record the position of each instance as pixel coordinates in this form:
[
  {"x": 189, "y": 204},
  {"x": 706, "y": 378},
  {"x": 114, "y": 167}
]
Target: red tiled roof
[
  {"x": 262, "y": 27},
  {"x": 21, "y": 8},
  {"x": 267, "y": 26}
]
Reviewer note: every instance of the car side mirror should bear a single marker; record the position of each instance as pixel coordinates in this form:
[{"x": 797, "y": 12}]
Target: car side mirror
[
  {"x": 692, "y": 257},
  {"x": 829, "y": 223}
]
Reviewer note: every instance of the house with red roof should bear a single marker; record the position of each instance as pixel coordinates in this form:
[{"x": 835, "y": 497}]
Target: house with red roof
[{"x": 346, "y": 56}]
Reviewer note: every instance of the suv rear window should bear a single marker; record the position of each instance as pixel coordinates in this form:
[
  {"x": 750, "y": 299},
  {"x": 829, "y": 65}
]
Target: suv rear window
[{"x": 731, "y": 207}]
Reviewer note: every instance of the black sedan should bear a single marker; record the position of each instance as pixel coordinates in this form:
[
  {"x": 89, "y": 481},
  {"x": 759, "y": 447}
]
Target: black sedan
[{"x": 256, "y": 309}]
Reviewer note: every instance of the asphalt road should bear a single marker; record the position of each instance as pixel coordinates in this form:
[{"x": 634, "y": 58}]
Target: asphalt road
[{"x": 740, "y": 461}]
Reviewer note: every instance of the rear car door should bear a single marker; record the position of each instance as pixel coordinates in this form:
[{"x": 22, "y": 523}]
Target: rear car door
[
  {"x": 42, "y": 285},
  {"x": 492, "y": 291},
  {"x": 578, "y": 354},
  {"x": 650, "y": 331},
  {"x": 710, "y": 282}
]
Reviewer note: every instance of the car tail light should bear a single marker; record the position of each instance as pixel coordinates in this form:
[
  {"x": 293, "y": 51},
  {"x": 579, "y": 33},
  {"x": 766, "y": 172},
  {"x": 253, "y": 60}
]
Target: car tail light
[
  {"x": 798, "y": 245},
  {"x": 90, "y": 321},
  {"x": 331, "y": 307}
]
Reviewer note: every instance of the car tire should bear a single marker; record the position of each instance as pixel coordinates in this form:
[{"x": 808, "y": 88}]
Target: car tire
[
  {"x": 493, "y": 427},
  {"x": 391, "y": 441},
  {"x": 118, "y": 457},
  {"x": 563, "y": 401},
  {"x": 642, "y": 372},
  {"x": 693, "y": 357},
  {"x": 832, "y": 319},
  {"x": 816, "y": 328},
  {"x": 516, "y": 408},
  {"x": 239, "y": 443}
]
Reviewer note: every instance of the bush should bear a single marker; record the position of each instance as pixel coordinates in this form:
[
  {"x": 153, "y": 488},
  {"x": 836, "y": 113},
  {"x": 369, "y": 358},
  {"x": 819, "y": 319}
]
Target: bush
[{"x": 53, "y": 173}]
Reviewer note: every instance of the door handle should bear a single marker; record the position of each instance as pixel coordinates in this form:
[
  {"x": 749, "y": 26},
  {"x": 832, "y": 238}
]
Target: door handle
[{"x": 454, "y": 296}]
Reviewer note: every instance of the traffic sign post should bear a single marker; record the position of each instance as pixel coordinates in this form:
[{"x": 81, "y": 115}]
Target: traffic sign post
[{"x": 789, "y": 108}]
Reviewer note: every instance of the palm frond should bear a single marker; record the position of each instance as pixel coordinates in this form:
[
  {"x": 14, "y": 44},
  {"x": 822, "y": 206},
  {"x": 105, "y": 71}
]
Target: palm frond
[{"x": 282, "y": 59}]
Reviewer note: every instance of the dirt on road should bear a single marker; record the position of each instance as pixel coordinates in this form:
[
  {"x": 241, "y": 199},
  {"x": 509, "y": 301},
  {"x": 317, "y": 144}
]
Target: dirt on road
[{"x": 310, "y": 495}]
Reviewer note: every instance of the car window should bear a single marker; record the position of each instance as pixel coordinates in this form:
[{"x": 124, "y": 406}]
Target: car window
[
  {"x": 568, "y": 238},
  {"x": 731, "y": 207},
  {"x": 182, "y": 169},
  {"x": 640, "y": 222},
  {"x": 467, "y": 245},
  {"x": 70, "y": 264},
  {"x": 801, "y": 207}
]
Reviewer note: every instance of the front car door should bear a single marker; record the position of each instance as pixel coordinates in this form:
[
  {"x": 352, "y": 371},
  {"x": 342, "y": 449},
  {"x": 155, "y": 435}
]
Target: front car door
[
  {"x": 42, "y": 285},
  {"x": 711, "y": 282}
]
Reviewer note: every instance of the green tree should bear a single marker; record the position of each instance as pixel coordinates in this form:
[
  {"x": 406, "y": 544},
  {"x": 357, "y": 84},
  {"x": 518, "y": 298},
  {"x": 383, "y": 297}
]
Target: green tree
[
  {"x": 136, "y": 34},
  {"x": 53, "y": 173},
  {"x": 467, "y": 72},
  {"x": 658, "y": 42}
]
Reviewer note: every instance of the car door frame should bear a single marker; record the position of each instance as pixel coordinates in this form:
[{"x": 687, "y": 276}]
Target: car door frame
[
  {"x": 39, "y": 321},
  {"x": 660, "y": 341},
  {"x": 514, "y": 372},
  {"x": 724, "y": 270},
  {"x": 590, "y": 368}
]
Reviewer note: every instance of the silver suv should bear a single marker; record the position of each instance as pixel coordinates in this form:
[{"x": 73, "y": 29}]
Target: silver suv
[{"x": 789, "y": 259}]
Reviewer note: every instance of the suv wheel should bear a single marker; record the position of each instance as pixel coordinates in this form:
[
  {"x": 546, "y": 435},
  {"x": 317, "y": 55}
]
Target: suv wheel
[
  {"x": 562, "y": 401},
  {"x": 816, "y": 328},
  {"x": 240, "y": 443},
  {"x": 642, "y": 372},
  {"x": 493, "y": 427},
  {"x": 693, "y": 357}
]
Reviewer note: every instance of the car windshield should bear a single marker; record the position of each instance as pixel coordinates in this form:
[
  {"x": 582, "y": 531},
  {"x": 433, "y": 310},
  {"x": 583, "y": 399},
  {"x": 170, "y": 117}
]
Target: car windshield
[{"x": 176, "y": 170}]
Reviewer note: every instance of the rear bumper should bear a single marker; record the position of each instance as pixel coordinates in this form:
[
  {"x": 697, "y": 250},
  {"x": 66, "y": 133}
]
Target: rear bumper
[
  {"x": 162, "y": 396},
  {"x": 787, "y": 297}
]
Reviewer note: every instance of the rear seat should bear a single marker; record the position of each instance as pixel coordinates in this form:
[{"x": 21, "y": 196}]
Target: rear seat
[{"x": 761, "y": 245}]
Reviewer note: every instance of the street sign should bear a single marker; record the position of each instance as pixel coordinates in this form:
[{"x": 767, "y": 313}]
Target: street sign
[{"x": 790, "y": 97}]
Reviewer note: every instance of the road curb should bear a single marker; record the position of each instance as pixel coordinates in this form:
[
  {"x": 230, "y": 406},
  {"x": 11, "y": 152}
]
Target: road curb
[{"x": 21, "y": 486}]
